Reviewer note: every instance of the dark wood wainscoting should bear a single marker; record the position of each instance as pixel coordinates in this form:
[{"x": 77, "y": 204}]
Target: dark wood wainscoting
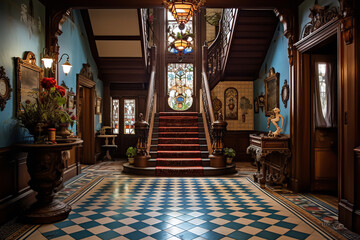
[
  {"x": 15, "y": 193},
  {"x": 239, "y": 141}
]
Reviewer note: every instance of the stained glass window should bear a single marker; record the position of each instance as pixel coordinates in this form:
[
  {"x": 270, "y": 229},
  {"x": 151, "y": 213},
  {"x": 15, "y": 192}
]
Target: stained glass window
[
  {"x": 129, "y": 116},
  {"x": 180, "y": 82},
  {"x": 322, "y": 87},
  {"x": 115, "y": 116},
  {"x": 174, "y": 30}
]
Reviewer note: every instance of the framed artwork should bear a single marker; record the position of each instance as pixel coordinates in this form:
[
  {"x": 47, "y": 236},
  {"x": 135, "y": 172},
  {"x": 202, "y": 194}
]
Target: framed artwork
[
  {"x": 231, "y": 104},
  {"x": 256, "y": 105},
  {"x": 28, "y": 76},
  {"x": 271, "y": 91},
  {"x": 98, "y": 106}
]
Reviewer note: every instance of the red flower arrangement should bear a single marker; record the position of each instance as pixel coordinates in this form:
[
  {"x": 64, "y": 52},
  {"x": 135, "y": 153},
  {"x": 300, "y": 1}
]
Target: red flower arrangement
[{"x": 48, "y": 83}]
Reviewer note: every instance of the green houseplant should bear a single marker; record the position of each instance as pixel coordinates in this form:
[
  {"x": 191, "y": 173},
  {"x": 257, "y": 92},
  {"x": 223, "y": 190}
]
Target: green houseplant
[
  {"x": 130, "y": 153},
  {"x": 230, "y": 154}
]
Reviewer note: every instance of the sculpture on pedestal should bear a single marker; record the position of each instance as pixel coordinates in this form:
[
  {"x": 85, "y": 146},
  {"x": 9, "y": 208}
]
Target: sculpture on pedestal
[{"x": 275, "y": 118}]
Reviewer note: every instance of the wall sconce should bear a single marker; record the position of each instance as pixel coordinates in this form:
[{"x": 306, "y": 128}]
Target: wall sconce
[
  {"x": 47, "y": 59},
  {"x": 66, "y": 66}
]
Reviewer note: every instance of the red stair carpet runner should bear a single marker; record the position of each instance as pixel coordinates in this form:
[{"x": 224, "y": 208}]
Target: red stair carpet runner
[{"x": 178, "y": 150}]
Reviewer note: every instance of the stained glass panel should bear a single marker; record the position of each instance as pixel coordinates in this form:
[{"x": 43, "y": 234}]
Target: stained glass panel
[
  {"x": 115, "y": 116},
  {"x": 129, "y": 116},
  {"x": 180, "y": 82}
]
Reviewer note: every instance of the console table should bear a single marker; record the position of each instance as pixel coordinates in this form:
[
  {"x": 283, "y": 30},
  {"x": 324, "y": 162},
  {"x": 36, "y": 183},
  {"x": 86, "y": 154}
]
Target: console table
[
  {"x": 107, "y": 146},
  {"x": 271, "y": 156}
]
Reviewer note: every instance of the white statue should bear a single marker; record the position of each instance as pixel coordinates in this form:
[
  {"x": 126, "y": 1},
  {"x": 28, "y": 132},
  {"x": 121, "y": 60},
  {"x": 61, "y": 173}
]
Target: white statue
[{"x": 275, "y": 118}]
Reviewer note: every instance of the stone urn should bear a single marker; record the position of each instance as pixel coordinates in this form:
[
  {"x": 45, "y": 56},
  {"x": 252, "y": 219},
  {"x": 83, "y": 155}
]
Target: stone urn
[{"x": 45, "y": 166}]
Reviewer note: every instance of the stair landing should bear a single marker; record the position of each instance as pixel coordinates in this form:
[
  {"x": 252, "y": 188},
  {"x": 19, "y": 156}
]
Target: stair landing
[{"x": 178, "y": 148}]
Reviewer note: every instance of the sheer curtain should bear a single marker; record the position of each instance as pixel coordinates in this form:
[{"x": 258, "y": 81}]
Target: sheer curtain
[{"x": 328, "y": 120}]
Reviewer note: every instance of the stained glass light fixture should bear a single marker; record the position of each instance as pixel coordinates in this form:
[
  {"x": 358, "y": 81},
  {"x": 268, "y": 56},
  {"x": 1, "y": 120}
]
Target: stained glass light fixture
[{"x": 183, "y": 10}]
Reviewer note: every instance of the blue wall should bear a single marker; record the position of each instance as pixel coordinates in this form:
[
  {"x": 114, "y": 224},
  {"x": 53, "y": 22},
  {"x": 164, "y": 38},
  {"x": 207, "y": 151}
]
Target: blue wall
[
  {"x": 74, "y": 42},
  {"x": 304, "y": 10},
  {"x": 276, "y": 57},
  {"x": 15, "y": 40}
]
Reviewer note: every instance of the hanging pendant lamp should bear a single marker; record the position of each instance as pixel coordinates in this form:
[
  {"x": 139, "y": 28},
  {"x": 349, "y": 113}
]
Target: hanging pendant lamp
[{"x": 183, "y": 10}]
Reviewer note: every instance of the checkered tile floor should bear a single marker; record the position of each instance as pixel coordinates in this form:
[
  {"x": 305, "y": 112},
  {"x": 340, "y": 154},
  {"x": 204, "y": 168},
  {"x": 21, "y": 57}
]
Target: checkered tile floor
[{"x": 122, "y": 207}]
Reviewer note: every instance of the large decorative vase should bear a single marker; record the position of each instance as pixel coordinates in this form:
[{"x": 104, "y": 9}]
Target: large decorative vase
[{"x": 45, "y": 166}]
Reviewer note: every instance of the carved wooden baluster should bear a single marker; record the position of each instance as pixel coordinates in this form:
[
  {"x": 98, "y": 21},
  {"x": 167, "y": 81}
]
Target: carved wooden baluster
[
  {"x": 217, "y": 159},
  {"x": 141, "y": 130}
]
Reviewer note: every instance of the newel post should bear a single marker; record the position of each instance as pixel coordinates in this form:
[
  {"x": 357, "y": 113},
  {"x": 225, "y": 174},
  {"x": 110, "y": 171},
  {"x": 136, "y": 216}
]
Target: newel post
[
  {"x": 217, "y": 158},
  {"x": 141, "y": 130}
]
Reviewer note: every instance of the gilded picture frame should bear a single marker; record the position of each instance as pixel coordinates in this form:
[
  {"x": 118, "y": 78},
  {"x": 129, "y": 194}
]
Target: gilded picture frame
[
  {"x": 271, "y": 91},
  {"x": 28, "y": 77}
]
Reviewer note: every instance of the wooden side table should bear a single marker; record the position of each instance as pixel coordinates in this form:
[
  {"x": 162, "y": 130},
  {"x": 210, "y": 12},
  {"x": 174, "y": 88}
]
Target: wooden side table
[
  {"x": 107, "y": 146},
  {"x": 271, "y": 168}
]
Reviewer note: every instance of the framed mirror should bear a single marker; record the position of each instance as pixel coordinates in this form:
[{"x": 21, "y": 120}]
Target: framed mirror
[
  {"x": 271, "y": 91},
  {"x": 28, "y": 76},
  {"x": 5, "y": 89}
]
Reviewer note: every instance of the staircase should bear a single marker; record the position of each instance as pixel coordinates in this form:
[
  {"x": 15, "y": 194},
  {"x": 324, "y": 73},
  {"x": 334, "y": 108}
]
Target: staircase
[
  {"x": 178, "y": 145},
  {"x": 178, "y": 148}
]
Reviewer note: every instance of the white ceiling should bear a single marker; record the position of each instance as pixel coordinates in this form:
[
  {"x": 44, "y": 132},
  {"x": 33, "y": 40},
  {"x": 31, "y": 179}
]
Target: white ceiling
[{"x": 112, "y": 23}]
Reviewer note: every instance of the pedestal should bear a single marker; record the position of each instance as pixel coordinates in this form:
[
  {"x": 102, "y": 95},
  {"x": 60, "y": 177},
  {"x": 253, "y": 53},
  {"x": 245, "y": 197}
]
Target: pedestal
[{"x": 45, "y": 166}]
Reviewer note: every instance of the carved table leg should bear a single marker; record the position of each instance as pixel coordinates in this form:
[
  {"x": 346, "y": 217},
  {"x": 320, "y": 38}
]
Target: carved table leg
[
  {"x": 262, "y": 180},
  {"x": 257, "y": 174}
]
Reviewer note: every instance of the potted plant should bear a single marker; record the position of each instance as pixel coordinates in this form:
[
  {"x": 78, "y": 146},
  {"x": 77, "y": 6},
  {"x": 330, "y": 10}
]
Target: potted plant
[
  {"x": 46, "y": 111},
  {"x": 230, "y": 154},
  {"x": 130, "y": 153}
]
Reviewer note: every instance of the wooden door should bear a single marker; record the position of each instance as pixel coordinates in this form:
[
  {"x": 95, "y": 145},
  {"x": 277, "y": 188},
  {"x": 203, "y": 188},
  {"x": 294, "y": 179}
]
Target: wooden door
[
  {"x": 324, "y": 152},
  {"x": 86, "y": 121}
]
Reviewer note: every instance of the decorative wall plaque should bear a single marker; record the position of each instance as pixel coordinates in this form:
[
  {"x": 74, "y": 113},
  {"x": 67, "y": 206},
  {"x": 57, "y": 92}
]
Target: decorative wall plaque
[
  {"x": 231, "y": 104},
  {"x": 285, "y": 92},
  {"x": 5, "y": 89}
]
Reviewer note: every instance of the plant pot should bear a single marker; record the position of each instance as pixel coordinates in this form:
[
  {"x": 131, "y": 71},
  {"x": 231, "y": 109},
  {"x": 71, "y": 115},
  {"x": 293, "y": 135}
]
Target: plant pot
[
  {"x": 131, "y": 160},
  {"x": 217, "y": 161},
  {"x": 141, "y": 161},
  {"x": 229, "y": 160}
]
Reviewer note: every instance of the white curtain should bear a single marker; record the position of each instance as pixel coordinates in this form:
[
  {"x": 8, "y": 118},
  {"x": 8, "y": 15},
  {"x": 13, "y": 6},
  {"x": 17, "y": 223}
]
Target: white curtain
[{"x": 330, "y": 119}]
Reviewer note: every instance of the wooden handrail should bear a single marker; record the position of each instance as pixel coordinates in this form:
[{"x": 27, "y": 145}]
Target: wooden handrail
[
  {"x": 206, "y": 83},
  {"x": 227, "y": 50},
  {"x": 151, "y": 88}
]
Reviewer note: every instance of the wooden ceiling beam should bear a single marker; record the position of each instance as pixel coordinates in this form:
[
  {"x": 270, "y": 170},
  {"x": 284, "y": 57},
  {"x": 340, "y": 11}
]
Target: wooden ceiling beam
[{"x": 112, "y": 4}]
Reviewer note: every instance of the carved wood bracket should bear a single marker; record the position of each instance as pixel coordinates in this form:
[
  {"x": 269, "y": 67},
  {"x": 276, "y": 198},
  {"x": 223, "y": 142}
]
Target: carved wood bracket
[
  {"x": 287, "y": 18},
  {"x": 347, "y": 21}
]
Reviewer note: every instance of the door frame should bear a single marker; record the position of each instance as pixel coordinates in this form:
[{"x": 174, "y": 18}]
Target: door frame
[
  {"x": 302, "y": 117},
  {"x": 83, "y": 81}
]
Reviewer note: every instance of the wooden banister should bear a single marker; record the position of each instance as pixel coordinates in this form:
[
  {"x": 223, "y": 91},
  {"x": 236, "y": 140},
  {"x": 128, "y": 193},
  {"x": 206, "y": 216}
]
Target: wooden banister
[
  {"x": 151, "y": 88},
  {"x": 206, "y": 84}
]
